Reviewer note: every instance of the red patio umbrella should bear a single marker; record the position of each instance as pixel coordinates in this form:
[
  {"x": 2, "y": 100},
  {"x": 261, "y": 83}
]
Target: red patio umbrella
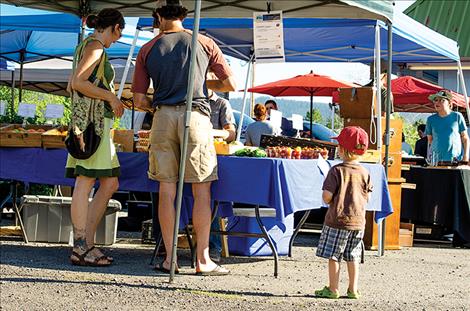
[
  {"x": 411, "y": 94},
  {"x": 303, "y": 85}
]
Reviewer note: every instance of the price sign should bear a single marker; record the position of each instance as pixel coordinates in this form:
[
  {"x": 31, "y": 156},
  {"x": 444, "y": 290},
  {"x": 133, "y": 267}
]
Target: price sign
[
  {"x": 268, "y": 35},
  {"x": 3, "y": 107},
  {"x": 27, "y": 110},
  {"x": 297, "y": 122},
  {"x": 54, "y": 111},
  {"x": 276, "y": 118}
]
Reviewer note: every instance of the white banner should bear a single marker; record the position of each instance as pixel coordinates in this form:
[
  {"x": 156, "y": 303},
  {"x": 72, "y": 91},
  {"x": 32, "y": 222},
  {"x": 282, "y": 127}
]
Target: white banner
[
  {"x": 3, "y": 107},
  {"x": 268, "y": 35}
]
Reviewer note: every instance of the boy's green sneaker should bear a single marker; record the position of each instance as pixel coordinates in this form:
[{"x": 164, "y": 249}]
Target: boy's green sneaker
[
  {"x": 352, "y": 295},
  {"x": 326, "y": 293}
]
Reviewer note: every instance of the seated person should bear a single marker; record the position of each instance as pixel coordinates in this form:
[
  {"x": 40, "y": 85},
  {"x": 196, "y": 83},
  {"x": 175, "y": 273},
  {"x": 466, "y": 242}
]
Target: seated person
[
  {"x": 258, "y": 128},
  {"x": 446, "y": 130},
  {"x": 223, "y": 123},
  {"x": 286, "y": 125},
  {"x": 405, "y": 147},
  {"x": 421, "y": 146}
]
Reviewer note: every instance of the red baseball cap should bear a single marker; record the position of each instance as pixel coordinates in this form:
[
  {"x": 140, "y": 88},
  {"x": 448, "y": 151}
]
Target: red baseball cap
[{"x": 354, "y": 139}]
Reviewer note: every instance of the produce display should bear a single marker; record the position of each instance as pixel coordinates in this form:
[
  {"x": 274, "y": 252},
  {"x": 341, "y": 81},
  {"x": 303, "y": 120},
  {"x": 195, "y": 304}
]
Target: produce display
[
  {"x": 253, "y": 152},
  {"x": 224, "y": 148},
  {"x": 17, "y": 135},
  {"x": 143, "y": 143},
  {"x": 297, "y": 152},
  {"x": 54, "y": 138}
]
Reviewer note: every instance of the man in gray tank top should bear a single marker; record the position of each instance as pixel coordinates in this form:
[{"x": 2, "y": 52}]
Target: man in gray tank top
[{"x": 165, "y": 61}]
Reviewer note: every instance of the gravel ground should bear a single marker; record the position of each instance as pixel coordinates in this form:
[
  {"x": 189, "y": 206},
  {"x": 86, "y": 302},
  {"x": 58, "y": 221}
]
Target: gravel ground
[{"x": 39, "y": 277}]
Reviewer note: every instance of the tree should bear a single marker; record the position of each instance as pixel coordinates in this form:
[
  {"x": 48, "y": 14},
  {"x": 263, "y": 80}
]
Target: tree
[{"x": 316, "y": 116}]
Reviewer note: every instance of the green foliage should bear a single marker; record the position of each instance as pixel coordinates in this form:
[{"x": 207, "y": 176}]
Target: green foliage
[
  {"x": 315, "y": 116},
  {"x": 410, "y": 130},
  {"x": 31, "y": 97}
]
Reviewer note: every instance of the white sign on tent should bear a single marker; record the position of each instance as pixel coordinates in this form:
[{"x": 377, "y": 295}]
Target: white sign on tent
[
  {"x": 54, "y": 111},
  {"x": 3, "y": 107},
  {"x": 268, "y": 35}
]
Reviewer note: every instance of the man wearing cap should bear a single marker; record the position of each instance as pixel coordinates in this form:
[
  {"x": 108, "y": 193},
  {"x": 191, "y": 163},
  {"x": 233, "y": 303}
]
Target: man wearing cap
[
  {"x": 446, "y": 131},
  {"x": 165, "y": 61}
]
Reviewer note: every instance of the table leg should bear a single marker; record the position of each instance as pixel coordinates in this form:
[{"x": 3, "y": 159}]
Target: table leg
[
  {"x": 268, "y": 239},
  {"x": 296, "y": 231},
  {"x": 17, "y": 211}
]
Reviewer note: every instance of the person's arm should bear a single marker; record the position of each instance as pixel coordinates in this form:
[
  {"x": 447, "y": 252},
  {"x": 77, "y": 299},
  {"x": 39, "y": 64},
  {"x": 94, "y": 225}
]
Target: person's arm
[
  {"x": 142, "y": 101},
  {"x": 227, "y": 120},
  {"x": 226, "y": 85},
  {"x": 141, "y": 81},
  {"x": 465, "y": 144},
  {"x": 327, "y": 196},
  {"x": 79, "y": 81}
]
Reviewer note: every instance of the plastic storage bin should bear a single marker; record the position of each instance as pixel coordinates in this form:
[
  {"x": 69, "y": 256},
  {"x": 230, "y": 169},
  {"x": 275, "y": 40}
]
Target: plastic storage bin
[
  {"x": 47, "y": 219},
  {"x": 280, "y": 233}
]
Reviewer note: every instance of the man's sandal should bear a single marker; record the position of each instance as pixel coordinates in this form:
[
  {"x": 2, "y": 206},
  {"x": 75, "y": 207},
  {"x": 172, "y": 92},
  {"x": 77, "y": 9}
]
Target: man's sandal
[
  {"x": 160, "y": 268},
  {"x": 326, "y": 292},
  {"x": 217, "y": 271}
]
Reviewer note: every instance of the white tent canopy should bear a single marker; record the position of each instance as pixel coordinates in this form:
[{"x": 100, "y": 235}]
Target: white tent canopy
[{"x": 364, "y": 9}]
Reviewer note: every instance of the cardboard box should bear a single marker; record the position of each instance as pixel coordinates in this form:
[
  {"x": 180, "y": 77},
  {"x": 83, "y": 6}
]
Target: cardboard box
[{"x": 125, "y": 138}]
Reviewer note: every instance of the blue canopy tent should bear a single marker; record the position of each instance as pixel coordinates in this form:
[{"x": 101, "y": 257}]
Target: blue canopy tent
[
  {"x": 37, "y": 37},
  {"x": 331, "y": 40}
]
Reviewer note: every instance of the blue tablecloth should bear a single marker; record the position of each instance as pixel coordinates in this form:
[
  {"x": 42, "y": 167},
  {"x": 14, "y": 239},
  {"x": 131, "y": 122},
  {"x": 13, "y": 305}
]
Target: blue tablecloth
[{"x": 286, "y": 185}]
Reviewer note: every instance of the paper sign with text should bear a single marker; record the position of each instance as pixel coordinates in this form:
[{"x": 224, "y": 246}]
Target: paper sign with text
[
  {"x": 3, "y": 107},
  {"x": 297, "y": 122},
  {"x": 27, "y": 110},
  {"x": 268, "y": 36},
  {"x": 276, "y": 119},
  {"x": 54, "y": 111}
]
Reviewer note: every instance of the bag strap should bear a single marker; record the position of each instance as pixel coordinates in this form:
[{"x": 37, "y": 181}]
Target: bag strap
[{"x": 78, "y": 56}]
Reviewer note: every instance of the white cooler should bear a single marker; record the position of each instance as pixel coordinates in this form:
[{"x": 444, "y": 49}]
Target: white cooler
[{"x": 47, "y": 219}]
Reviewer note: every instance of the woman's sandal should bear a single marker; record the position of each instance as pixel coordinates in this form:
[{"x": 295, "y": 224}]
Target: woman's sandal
[
  {"x": 95, "y": 263},
  {"x": 109, "y": 258}
]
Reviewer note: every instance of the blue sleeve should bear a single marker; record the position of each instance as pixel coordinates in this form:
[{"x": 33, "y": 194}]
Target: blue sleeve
[
  {"x": 428, "y": 130},
  {"x": 461, "y": 123}
]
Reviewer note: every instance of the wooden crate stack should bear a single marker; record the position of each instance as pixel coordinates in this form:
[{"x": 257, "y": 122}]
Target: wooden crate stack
[{"x": 356, "y": 109}]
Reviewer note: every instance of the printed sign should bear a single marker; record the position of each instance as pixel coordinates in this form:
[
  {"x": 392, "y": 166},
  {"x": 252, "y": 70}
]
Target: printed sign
[
  {"x": 297, "y": 122},
  {"x": 54, "y": 111},
  {"x": 27, "y": 110},
  {"x": 3, "y": 107},
  {"x": 276, "y": 118},
  {"x": 268, "y": 35}
]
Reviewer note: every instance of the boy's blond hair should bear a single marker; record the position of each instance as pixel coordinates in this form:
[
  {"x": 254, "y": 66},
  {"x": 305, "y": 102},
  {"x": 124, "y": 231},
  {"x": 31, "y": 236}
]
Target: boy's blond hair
[{"x": 348, "y": 155}]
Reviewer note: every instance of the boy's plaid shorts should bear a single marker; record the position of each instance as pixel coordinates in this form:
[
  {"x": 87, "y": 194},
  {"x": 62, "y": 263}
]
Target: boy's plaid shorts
[{"x": 340, "y": 243}]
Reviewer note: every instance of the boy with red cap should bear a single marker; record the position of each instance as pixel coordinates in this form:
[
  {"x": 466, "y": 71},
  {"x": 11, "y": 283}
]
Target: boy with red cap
[{"x": 346, "y": 189}]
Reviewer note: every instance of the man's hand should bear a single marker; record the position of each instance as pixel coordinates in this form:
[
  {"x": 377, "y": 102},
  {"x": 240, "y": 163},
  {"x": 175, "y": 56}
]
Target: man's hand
[{"x": 141, "y": 101}]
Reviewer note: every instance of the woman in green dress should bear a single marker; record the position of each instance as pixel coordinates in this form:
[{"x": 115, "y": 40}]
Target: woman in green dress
[{"x": 103, "y": 164}]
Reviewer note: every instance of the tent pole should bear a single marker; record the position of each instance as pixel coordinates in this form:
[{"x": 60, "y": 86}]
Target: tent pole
[
  {"x": 125, "y": 73},
  {"x": 388, "y": 109},
  {"x": 311, "y": 115},
  {"x": 245, "y": 91},
  {"x": 252, "y": 97},
  {"x": 332, "y": 116},
  {"x": 378, "y": 135},
  {"x": 184, "y": 149},
  {"x": 82, "y": 29},
  {"x": 20, "y": 95},
  {"x": 464, "y": 88},
  {"x": 12, "y": 91}
]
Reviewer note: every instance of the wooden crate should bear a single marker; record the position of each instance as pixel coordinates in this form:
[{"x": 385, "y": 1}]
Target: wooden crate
[
  {"x": 406, "y": 234},
  {"x": 55, "y": 138},
  {"x": 396, "y": 126},
  {"x": 14, "y": 135},
  {"x": 392, "y": 222},
  {"x": 357, "y": 102}
]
